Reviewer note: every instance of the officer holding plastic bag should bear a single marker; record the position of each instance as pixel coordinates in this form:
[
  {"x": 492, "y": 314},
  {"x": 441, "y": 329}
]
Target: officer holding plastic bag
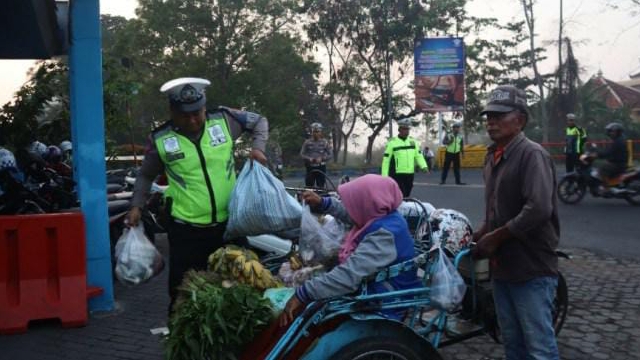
[{"x": 195, "y": 150}]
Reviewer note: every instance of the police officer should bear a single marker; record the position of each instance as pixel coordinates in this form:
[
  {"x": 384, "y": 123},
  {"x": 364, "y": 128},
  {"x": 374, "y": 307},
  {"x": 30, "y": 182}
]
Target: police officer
[
  {"x": 315, "y": 152},
  {"x": 195, "y": 149},
  {"x": 401, "y": 156},
  {"x": 575, "y": 138},
  {"x": 453, "y": 151}
]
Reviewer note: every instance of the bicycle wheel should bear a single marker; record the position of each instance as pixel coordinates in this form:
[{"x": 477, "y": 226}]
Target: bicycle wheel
[
  {"x": 560, "y": 304},
  {"x": 384, "y": 348},
  {"x": 571, "y": 191}
]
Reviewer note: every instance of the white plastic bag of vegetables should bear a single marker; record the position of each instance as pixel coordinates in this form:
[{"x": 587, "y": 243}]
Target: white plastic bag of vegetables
[
  {"x": 260, "y": 204},
  {"x": 320, "y": 242},
  {"x": 137, "y": 259}
]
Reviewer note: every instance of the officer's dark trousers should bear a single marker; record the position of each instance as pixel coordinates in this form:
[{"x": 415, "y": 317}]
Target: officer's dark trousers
[
  {"x": 571, "y": 161},
  {"x": 448, "y": 159},
  {"x": 315, "y": 176},
  {"x": 189, "y": 248},
  {"x": 405, "y": 182}
]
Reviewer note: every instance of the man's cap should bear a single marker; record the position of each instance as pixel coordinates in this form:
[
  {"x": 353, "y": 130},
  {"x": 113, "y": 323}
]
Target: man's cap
[
  {"x": 506, "y": 98},
  {"x": 571, "y": 116},
  {"x": 186, "y": 94},
  {"x": 405, "y": 123}
]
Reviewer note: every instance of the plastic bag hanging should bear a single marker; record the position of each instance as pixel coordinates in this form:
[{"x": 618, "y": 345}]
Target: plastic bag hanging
[
  {"x": 260, "y": 204},
  {"x": 137, "y": 259},
  {"x": 447, "y": 286}
]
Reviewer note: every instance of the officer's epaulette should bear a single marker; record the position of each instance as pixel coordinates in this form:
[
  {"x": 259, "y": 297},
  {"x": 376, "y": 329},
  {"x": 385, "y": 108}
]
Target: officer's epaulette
[
  {"x": 162, "y": 129},
  {"x": 220, "y": 108}
]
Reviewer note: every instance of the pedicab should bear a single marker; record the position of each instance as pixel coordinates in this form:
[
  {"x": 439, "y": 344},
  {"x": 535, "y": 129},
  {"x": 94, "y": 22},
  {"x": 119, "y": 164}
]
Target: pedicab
[{"x": 358, "y": 326}]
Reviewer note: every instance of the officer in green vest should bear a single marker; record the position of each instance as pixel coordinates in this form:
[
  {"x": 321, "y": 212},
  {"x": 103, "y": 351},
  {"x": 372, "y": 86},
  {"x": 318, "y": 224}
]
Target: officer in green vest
[
  {"x": 453, "y": 151},
  {"x": 401, "y": 156},
  {"x": 195, "y": 150},
  {"x": 575, "y": 138}
]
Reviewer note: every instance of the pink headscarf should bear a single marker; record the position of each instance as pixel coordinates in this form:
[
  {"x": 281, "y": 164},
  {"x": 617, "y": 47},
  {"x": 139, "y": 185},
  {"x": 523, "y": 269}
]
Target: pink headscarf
[{"x": 366, "y": 199}]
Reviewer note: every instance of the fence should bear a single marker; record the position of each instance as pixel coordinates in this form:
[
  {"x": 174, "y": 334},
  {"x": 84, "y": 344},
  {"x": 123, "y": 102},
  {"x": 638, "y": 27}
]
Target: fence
[{"x": 474, "y": 154}]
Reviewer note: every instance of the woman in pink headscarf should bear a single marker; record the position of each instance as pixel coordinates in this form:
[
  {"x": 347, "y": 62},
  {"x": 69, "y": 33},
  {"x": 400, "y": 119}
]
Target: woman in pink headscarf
[{"x": 380, "y": 237}]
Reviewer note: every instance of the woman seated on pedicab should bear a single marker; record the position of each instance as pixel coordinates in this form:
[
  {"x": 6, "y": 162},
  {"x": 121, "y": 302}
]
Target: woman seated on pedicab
[{"x": 379, "y": 238}]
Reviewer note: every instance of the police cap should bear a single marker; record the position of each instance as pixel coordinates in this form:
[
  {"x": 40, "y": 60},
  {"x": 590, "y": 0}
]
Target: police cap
[{"x": 186, "y": 94}]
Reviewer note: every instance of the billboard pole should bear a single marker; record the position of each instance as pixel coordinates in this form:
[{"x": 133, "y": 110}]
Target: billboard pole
[{"x": 389, "y": 94}]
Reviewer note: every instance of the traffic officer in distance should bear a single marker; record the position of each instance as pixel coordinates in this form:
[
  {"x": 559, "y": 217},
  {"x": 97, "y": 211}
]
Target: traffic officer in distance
[
  {"x": 195, "y": 149},
  {"x": 401, "y": 156}
]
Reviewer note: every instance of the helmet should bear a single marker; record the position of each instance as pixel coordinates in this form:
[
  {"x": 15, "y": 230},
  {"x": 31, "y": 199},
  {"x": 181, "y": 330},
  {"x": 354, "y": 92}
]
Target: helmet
[
  {"x": 66, "y": 146},
  {"x": 571, "y": 116},
  {"x": 451, "y": 229},
  {"x": 614, "y": 126},
  {"x": 7, "y": 160},
  {"x": 316, "y": 126},
  {"x": 53, "y": 154},
  {"x": 457, "y": 125},
  {"x": 405, "y": 123},
  {"x": 37, "y": 148}
]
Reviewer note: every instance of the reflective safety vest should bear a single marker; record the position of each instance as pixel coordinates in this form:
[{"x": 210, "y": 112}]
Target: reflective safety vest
[
  {"x": 404, "y": 155},
  {"x": 574, "y": 140},
  {"x": 455, "y": 144},
  {"x": 201, "y": 175}
]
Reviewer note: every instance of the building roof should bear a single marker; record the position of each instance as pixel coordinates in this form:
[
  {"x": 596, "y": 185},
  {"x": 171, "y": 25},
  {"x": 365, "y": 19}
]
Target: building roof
[
  {"x": 616, "y": 94},
  {"x": 634, "y": 82}
]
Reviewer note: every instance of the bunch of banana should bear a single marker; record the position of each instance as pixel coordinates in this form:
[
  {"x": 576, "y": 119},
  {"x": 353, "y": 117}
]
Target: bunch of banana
[
  {"x": 295, "y": 262},
  {"x": 242, "y": 265}
]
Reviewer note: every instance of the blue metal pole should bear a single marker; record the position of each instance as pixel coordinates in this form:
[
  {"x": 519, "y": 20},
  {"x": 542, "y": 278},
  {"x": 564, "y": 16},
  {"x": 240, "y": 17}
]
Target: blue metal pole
[{"x": 87, "y": 120}]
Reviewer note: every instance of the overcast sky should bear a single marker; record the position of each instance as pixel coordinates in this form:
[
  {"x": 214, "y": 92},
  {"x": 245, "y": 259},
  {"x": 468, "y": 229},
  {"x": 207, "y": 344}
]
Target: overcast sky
[{"x": 603, "y": 38}]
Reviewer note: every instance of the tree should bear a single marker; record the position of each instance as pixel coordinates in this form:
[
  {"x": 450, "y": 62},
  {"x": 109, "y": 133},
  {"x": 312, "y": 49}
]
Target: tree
[
  {"x": 43, "y": 97},
  {"x": 381, "y": 34},
  {"x": 527, "y": 5}
]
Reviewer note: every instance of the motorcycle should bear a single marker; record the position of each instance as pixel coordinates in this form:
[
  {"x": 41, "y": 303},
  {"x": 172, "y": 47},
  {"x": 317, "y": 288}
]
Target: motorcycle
[{"x": 574, "y": 186}]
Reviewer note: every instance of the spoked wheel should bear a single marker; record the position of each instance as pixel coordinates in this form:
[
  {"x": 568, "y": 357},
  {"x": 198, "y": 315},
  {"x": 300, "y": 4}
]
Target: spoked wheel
[
  {"x": 560, "y": 304},
  {"x": 384, "y": 348},
  {"x": 634, "y": 197},
  {"x": 570, "y": 191}
]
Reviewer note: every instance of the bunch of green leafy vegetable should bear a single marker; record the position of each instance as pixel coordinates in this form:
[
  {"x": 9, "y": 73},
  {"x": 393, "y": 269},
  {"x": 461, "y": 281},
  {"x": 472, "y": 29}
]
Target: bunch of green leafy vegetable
[{"x": 212, "y": 321}]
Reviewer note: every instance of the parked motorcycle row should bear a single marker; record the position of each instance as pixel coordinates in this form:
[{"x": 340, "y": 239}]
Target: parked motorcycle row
[{"x": 45, "y": 187}]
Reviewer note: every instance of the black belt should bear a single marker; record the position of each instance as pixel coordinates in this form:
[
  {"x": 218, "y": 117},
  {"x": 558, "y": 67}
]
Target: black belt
[{"x": 204, "y": 226}]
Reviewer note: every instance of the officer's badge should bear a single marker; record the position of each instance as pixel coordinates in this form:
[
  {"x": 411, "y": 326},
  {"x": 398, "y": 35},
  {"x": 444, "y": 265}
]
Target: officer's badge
[
  {"x": 171, "y": 144},
  {"x": 216, "y": 135}
]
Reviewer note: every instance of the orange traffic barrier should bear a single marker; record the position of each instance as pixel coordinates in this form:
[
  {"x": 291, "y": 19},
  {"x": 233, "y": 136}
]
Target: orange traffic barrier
[{"x": 43, "y": 270}]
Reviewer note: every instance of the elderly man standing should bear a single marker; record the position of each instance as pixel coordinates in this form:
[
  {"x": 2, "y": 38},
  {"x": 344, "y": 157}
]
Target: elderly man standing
[
  {"x": 401, "y": 156},
  {"x": 521, "y": 231},
  {"x": 195, "y": 149}
]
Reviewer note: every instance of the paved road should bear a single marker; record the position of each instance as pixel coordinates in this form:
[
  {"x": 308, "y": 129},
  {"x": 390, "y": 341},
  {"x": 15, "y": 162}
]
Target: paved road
[
  {"x": 603, "y": 320},
  {"x": 606, "y": 226}
]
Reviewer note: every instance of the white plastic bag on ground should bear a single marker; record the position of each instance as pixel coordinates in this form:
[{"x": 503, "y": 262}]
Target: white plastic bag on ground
[
  {"x": 260, "y": 204},
  {"x": 137, "y": 259},
  {"x": 447, "y": 286},
  {"x": 319, "y": 243}
]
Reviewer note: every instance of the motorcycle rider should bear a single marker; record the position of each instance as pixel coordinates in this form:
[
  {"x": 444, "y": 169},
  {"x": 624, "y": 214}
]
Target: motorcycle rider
[{"x": 615, "y": 154}]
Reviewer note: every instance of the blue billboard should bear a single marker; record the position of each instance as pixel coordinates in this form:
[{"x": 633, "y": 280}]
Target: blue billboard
[{"x": 439, "y": 74}]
